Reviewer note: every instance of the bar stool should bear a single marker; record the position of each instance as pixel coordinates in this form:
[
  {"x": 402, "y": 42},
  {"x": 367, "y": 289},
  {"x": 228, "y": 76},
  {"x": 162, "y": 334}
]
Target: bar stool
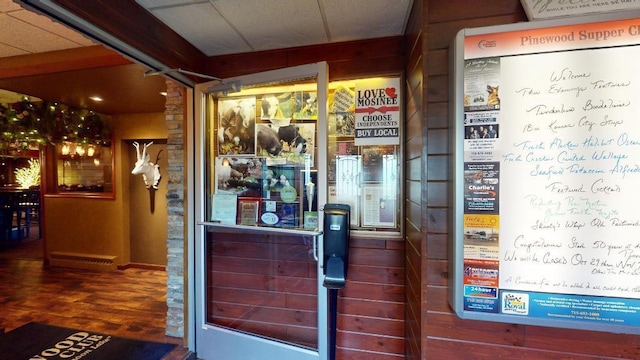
[
  {"x": 6, "y": 218},
  {"x": 27, "y": 207}
]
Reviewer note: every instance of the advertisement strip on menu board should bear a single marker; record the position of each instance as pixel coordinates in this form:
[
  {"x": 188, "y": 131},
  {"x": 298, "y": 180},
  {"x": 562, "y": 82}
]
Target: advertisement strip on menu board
[{"x": 570, "y": 37}]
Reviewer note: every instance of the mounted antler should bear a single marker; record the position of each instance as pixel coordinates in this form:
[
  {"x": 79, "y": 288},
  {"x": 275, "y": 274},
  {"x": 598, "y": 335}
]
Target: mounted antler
[{"x": 150, "y": 171}]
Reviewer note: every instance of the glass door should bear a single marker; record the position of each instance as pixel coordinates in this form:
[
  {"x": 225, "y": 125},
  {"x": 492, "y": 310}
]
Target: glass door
[{"x": 259, "y": 292}]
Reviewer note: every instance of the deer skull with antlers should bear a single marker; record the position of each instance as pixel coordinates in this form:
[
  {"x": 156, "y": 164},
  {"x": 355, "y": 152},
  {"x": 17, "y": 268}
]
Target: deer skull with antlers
[{"x": 150, "y": 171}]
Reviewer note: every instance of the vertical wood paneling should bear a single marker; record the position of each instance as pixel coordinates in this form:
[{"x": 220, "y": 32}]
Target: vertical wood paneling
[{"x": 414, "y": 166}]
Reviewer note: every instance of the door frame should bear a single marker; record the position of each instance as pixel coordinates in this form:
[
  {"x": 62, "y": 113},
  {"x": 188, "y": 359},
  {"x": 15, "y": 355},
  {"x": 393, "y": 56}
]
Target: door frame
[{"x": 229, "y": 343}]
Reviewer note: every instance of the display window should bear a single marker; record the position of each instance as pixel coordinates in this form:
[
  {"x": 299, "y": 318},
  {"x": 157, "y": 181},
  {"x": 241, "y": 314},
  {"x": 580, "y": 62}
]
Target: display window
[
  {"x": 364, "y": 151},
  {"x": 262, "y": 146}
]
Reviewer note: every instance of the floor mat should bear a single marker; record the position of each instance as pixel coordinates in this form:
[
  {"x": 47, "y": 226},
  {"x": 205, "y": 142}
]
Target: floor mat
[{"x": 41, "y": 341}]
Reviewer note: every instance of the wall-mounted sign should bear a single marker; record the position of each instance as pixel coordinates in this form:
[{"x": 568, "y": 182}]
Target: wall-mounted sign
[
  {"x": 378, "y": 112},
  {"x": 547, "y": 164},
  {"x": 547, "y": 9}
]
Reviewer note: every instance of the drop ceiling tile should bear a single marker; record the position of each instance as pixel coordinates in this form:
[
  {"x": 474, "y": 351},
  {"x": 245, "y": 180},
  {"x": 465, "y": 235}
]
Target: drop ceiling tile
[
  {"x": 8, "y": 6},
  {"x": 8, "y": 50},
  {"x": 29, "y": 38},
  {"x": 365, "y": 19},
  {"x": 275, "y": 24},
  {"x": 202, "y": 26},
  {"x": 51, "y": 26}
]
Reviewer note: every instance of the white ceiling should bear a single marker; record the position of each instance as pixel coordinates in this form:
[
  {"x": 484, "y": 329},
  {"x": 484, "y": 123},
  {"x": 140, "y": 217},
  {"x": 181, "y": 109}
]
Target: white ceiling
[
  {"x": 215, "y": 27},
  {"x": 218, "y": 27}
]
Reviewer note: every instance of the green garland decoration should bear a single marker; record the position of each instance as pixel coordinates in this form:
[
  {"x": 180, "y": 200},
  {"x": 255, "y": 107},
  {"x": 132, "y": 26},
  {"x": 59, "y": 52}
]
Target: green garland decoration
[{"x": 26, "y": 125}]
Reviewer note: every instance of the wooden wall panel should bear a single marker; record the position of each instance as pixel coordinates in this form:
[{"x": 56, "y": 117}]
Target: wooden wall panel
[
  {"x": 437, "y": 141},
  {"x": 437, "y": 168},
  {"x": 346, "y": 60},
  {"x": 437, "y": 246},
  {"x": 583, "y": 342},
  {"x": 438, "y": 298},
  {"x": 439, "y": 194},
  {"x": 447, "y": 11},
  {"x": 414, "y": 188},
  {"x": 454, "y": 350},
  {"x": 441, "y": 35},
  {"x": 371, "y": 306}
]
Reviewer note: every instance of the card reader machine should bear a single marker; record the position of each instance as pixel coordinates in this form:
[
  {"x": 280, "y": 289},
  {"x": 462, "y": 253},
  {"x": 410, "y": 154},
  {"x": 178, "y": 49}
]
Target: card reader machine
[{"x": 336, "y": 244}]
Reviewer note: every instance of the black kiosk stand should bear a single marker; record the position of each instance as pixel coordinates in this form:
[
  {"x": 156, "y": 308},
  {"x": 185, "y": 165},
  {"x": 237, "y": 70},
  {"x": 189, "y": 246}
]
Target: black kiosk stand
[{"x": 336, "y": 260}]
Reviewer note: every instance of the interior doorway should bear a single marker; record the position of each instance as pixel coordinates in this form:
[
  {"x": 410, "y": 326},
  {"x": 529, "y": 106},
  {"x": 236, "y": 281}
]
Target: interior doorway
[{"x": 21, "y": 225}]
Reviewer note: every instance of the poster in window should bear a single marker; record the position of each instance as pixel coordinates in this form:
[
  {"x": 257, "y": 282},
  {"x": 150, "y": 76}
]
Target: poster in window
[
  {"x": 287, "y": 143},
  {"x": 276, "y": 107},
  {"x": 224, "y": 208},
  {"x": 349, "y": 198},
  {"x": 378, "y": 112},
  {"x": 237, "y": 126},
  {"x": 239, "y": 176},
  {"x": 342, "y": 124},
  {"x": 378, "y": 207},
  {"x": 306, "y": 105}
]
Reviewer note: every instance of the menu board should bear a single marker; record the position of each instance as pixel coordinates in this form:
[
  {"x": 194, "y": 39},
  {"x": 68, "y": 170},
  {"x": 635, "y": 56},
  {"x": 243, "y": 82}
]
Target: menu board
[{"x": 547, "y": 176}]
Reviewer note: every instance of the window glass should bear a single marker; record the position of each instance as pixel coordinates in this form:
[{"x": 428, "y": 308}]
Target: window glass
[
  {"x": 84, "y": 168},
  {"x": 363, "y": 153},
  {"x": 262, "y": 151}
]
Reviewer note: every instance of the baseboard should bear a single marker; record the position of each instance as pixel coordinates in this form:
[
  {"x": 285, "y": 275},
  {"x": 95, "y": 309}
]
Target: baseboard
[
  {"x": 83, "y": 261},
  {"x": 142, "y": 266}
]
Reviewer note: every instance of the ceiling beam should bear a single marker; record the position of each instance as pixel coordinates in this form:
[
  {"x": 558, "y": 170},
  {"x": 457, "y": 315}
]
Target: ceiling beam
[
  {"x": 130, "y": 30},
  {"x": 59, "y": 61}
]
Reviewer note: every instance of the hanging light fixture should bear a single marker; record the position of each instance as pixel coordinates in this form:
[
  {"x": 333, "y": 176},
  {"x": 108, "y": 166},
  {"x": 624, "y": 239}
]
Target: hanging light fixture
[
  {"x": 65, "y": 149},
  {"x": 80, "y": 149}
]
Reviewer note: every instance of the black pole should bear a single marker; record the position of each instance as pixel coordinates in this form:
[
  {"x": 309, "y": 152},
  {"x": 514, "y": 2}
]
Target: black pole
[{"x": 333, "y": 322}]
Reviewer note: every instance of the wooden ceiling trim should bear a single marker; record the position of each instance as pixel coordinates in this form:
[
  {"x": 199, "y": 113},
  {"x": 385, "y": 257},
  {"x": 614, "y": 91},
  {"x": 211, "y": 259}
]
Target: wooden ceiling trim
[{"x": 59, "y": 61}]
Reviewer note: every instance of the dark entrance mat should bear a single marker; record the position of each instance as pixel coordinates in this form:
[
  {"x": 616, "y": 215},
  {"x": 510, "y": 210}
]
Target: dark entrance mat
[{"x": 35, "y": 341}]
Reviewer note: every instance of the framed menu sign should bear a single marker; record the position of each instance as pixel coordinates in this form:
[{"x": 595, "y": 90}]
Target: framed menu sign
[{"x": 547, "y": 166}]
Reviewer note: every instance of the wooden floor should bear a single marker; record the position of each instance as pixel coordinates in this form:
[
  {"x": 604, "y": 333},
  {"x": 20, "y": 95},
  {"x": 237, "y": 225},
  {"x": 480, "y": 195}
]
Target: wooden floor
[{"x": 127, "y": 303}]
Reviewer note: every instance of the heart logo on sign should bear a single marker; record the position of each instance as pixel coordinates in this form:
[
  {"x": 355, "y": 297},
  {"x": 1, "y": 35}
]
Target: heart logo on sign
[{"x": 391, "y": 92}]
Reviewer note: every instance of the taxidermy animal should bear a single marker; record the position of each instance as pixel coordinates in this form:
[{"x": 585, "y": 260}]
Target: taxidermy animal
[
  {"x": 493, "y": 98},
  {"x": 150, "y": 171},
  {"x": 267, "y": 139}
]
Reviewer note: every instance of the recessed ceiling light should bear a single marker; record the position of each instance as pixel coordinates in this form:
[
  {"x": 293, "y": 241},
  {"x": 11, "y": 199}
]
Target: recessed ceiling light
[
  {"x": 163, "y": 93},
  {"x": 96, "y": 98}
]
